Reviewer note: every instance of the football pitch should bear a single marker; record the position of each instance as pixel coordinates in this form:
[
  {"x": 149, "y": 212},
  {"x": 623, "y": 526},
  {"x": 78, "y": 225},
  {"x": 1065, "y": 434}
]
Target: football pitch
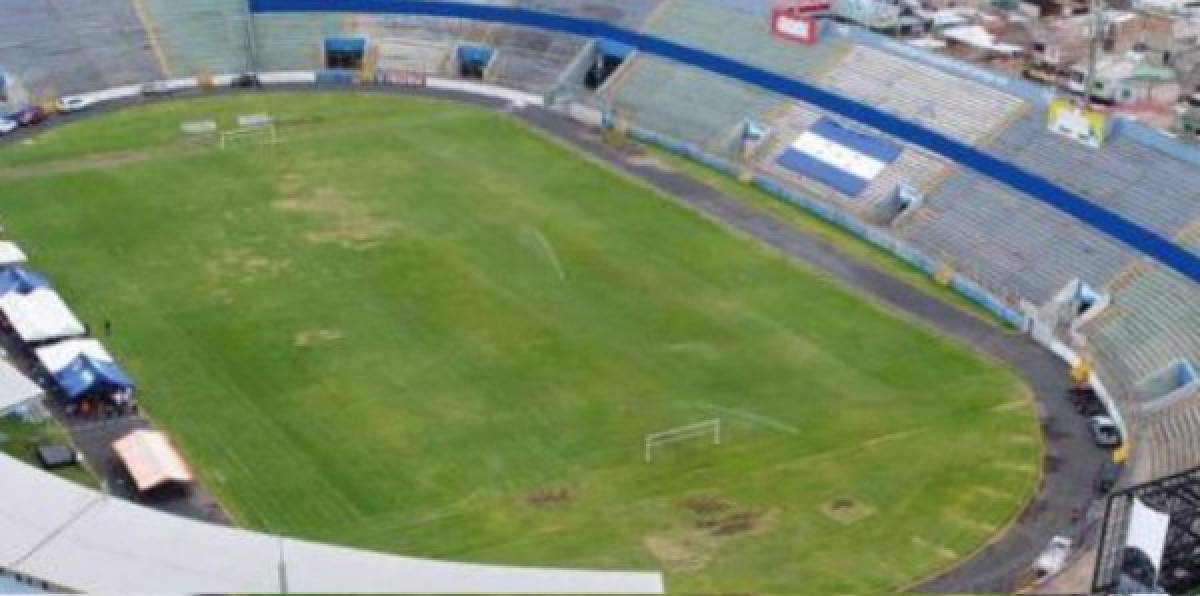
[{"x": 420, "y": 327}]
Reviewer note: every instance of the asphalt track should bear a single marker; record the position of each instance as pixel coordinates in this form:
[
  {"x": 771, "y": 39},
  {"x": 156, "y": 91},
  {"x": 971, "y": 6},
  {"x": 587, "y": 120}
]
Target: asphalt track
[
  {"x": 1032, "y": 185},
  {"x": 1070, "y": 462}
]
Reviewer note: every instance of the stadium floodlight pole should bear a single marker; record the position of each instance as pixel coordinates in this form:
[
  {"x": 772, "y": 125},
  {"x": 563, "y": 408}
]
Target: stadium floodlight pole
[{"x": 1098, "y": 24}]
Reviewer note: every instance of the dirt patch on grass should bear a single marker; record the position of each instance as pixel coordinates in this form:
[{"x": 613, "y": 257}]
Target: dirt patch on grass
[
  {"x": 87, "y": 163},
  {"x": 313, "y": 337},
  {"x": 846, "y": 511},
  {"x": 340, "y": 219},
  {"x": 245, "y": 266},
  {"x": 715, "y": 521},
  {"x": 682, "y": 551},
  {"x": 549, "y": 497},
  {"x": 706, "y": 505},
  {"x": 732, "y": 524}
]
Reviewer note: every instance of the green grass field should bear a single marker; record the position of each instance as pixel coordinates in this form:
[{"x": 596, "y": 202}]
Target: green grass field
[{"x": 419, "y": 327}]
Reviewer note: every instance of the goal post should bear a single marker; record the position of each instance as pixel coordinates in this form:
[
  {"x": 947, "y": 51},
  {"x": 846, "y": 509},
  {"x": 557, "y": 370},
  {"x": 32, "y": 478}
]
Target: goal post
[
  {"x": 257, "y": 135},
  {"x": 706, "y": 429}
]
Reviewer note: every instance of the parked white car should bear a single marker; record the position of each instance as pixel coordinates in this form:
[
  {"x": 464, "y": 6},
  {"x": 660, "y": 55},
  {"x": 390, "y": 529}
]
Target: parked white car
[
  {"x": 7, "y": 125},
  {"x": 74, "y": 103},
  {"x": 1053, "y": 558},
  {"x": 1105, "y": 431}
]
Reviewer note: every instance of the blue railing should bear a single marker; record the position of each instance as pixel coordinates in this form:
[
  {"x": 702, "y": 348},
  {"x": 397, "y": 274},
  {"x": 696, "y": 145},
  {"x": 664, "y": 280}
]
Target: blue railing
[{"x": 1108, "y": 222}]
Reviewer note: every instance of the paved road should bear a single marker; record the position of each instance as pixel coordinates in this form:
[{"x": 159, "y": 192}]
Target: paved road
[{"x": 1071, "y": 461}]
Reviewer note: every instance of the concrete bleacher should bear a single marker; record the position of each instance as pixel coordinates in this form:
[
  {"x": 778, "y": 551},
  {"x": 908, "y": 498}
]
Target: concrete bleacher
[
  {"x": 626, "y": 13},
  {"x": 1154, "y": 320},
  {"x": 535, "y": 61},
  {"x": 293, "y": 41},
  {"x": 200, "y": 35},
  {"x": 1168, "y": 440},
  {"x": 664, "y": 96},
  {"x": 744, "y": 34},
  {"x": 68, "y": 46},
  {"x": 1142, "y": 184},
  {"x": 914, "y": 167},
  {"x": 1012, "y": 245},
  {"x": 531, "y": 60},
  {"x": 958, "y": 107}
]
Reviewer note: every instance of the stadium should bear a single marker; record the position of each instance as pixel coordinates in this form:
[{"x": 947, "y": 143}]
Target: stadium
[{"x": 596, "y": 296}]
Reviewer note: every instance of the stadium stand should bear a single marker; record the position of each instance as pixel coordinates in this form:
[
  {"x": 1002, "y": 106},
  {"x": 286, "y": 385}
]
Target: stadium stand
[
  {"x": 50, "y": 48},
  {"x": 963, "y": 109},
  {"x": 1151, "y": 323},
  {"x": 537, "y": 61},
  {"x": 627, "y": 13},
  {"x": 293, "y": 42},
  {"x": 532, "y": 60},
  {"x": 1149, "y": 187},
  {"x": 1011, "y": 245},
  {"x": 1169, "y": 440},
  {"x": 200, "y": 35},
  {"x": 650, "y": 90},
  {"x": 914, "y": 167}
]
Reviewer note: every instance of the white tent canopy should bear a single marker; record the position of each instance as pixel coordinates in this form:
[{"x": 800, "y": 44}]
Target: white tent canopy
[
  {"x": 16, "y": 390},
  {"x": 151, "y": 459},
  {"x": 57, "y": 356},
  {"x": 1148, "y": 532},
  {"x": 40, "y": 315},
  {"x": 10, "y": 253}
]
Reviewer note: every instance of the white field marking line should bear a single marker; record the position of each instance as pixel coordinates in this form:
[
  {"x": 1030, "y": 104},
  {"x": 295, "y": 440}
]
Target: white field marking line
[
  {"x": 548, "y": 250},
  {"x": 748, "y": 416}
]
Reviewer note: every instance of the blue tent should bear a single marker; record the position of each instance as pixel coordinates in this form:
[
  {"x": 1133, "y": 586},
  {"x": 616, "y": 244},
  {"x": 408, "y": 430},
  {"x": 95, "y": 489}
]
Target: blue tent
[
  {"x": 85, "y": 374},
  {"x": 20, "y": 279}
]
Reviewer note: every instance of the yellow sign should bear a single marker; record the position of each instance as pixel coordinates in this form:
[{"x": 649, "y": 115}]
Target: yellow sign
[{"x": 1077, "y": 123}]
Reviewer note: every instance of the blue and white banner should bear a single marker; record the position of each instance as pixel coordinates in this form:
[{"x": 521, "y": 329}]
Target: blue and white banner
[{"x": 831, "y": 154}]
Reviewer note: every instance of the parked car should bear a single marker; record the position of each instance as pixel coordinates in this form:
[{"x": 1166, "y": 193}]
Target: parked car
[
  {"x": 30, "y": 116},
  {"x": 1105, "y": 432},
  {"x": 156, "y": 89},
  {"x": 7, "y": 125},
  {"x": 1086, "y": 401},
  {"x": 74, "y": 103},
  {"x": 1053, "y": 557}
]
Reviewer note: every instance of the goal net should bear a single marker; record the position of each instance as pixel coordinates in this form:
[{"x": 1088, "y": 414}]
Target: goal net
[
  {"x": 249, "y": 135},
  {"x": 708, "y": 429}
]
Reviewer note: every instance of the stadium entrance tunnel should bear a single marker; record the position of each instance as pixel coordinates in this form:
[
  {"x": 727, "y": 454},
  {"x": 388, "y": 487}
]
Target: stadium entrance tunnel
[
  {"x": 474, "y": 60},
  {"x": 1035, "y": 186},
  {"x": 345, "y": 53},
  {"x": 608, "y": 56}
]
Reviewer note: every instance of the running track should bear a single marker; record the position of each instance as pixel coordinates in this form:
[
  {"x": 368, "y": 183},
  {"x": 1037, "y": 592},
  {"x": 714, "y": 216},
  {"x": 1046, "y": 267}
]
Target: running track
[{"x": 1107, "y": 222}]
